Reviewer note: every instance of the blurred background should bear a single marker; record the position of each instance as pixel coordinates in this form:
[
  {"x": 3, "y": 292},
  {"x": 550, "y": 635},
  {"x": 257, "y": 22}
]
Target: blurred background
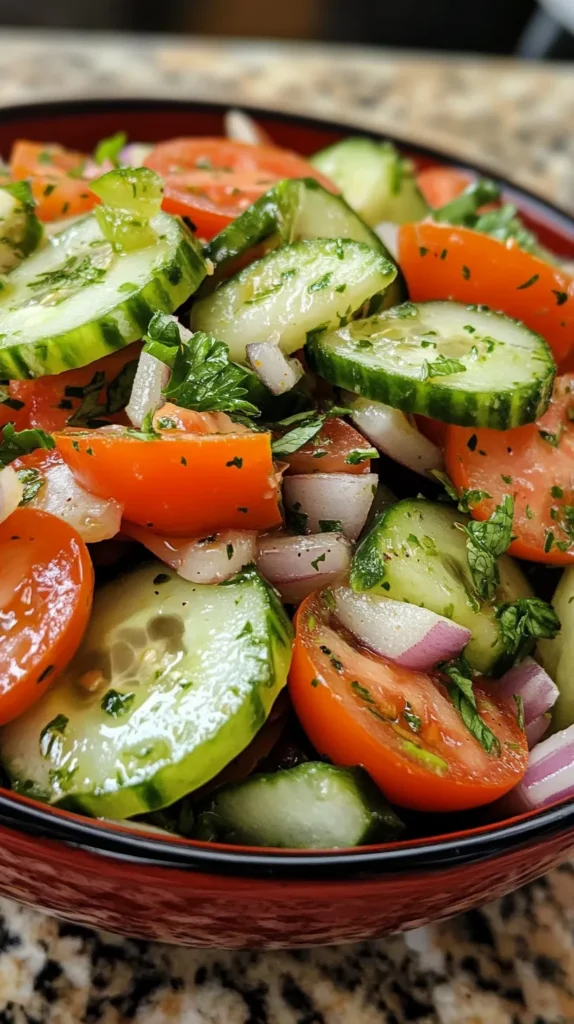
[{"x": 521, "y": 27}]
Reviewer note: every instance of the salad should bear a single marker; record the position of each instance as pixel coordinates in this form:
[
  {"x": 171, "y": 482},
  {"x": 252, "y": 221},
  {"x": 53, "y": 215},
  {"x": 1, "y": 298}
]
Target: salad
[{"x": 285, "y": 447}]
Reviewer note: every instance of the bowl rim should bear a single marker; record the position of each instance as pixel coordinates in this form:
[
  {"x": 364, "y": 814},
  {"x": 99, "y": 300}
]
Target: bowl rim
[{"x": 451, "y": 850}]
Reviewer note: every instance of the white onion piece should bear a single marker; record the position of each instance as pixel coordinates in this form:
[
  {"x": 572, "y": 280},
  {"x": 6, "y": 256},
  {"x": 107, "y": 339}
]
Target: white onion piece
[
  {"x": 411, "y": 636},
  {"x": 529, "y": 681},
  {"x": 11, "y": 491},
  {"x": 298, "y": 565},
  {"x": 536, "y": 730},
  {"x": 393, "y": 433},
  {"x": 94, "y": 518},
  {"x": 271, "y": 366},
  {"x": 549, "y": 776},
  {"x": 135, "y": 154},
  {"x": 200, "y": 559},
  {"x": 242, "y": 128},
  {"x": 150, "y": 380},
  {"x": 389, "y": 235},
  {"x": 340, "y": 497}
]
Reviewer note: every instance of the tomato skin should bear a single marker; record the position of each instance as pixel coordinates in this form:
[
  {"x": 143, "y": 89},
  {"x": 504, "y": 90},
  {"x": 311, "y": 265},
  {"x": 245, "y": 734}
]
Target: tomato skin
[
  {"x": 350, "y": 703},
  {"x": 328, "y": 450},
  {"x": 440, "y": 185},
  {"x": 46, "y": 588},
  {"x": 495, "y": 273},
  {"x": 182, "y": 484},
  {"x": 433, "y": 429},
  {"x": 532, "y": 466},
  {"x": 48, "y": 167}
]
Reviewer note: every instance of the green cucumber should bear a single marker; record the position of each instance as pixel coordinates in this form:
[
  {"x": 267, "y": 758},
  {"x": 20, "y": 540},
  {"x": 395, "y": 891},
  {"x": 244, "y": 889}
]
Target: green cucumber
[
  {"x": 292, "y": 211},
  {"x": 375, "y": 180},
  {"x": 77, "y": 299},
  {"x": 313, "y": 806},
  {"x": 20, "y": 230},
  {"x": 291, "y": 292},
  {"x": 416, "y": 552},
  {"x": 455, "y": 363},
  {"x": 188, "y": 675},
  {"x": 557, "y": 656}
]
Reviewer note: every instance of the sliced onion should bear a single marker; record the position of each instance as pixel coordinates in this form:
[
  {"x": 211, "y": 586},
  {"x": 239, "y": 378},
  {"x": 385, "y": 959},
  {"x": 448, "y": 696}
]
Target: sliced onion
[
  {"x": 242, "y": 128},
  {"x": 529, "y": 681},
  {"x": 343, "y": 498},
  {"x": 536, "y": 730},
  {"x": 94, "y": 518},
  {"x": 411, "y": 636},
  {"x": 200, "y": 559},
  {"x": 135, "y": 154},
  {"x": 549, "y": 776},
  {"x": 271, "y": 366},
  {"x": 389, "y": 235},
  {"x": 298, "y": 565},
  {"x": 11, "y": 491},
  {"x": 150, "y": 380},
  {"x": 393, "y": 433}
]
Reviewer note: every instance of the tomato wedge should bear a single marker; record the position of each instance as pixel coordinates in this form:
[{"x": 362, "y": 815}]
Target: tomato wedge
[
  {"x": 55, "y": 176},
  {"x": 444, "y": 262},
  {"x": 46, "y": 587},
  {"x": 213, "y": 180},
  {"x": 535, "y": 464},
  {"x": 337, "y": 448},
  {"x": 180, "y": 483},
  {"x": 399, "y": 724},
  {"x": 440, "y": 185}
]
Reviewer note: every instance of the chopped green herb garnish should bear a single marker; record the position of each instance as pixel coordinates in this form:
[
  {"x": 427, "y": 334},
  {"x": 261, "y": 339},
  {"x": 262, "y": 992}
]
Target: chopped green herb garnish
[
  {"x": 117, "y": 704},
  {"x": 488, "y": 540}
]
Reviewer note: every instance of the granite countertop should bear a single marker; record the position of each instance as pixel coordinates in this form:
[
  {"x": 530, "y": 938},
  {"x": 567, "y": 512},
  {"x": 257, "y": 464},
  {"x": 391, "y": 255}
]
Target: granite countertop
[{"x": 511, "y": 962}]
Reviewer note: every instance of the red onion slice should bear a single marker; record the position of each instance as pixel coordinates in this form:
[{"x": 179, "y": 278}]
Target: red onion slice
[
  {"x": 298, "y": 565},
  {"x": 94, "y": 518},
  {"x": 414, "y": 637},
  {"x": 200, "y": 559},
  {"x": 395, "y": 434},
  {"x": 529, "y": 681},
  {"x": 11, "y": 491},
  {"x": 327, "y": 498},
  {"x": 242, "y": 128},
  {"x": 150, "y": 380},
  {"x": 277, "y": 373},
  {"x": 536, "y": 730},
  {"x": 549, "y": 776}
]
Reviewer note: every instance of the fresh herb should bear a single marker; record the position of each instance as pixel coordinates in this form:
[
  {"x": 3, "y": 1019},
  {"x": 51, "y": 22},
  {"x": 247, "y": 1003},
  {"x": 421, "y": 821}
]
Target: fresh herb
[
  {"x": 527, "y": 284},
  {"x": 75, "y": 272},
  {"x": 117, "y": 704},
  {"x": 524, "y": 619},
  {"x": 550, "y": 437},
  {"x": 110, "y": 149},
  {"x": 89, "y": 412},
  {"x": 296, "y": 519},
  {"x": 31, "y": 480},
  {"x": 519, "y": 710},
  {"x": 300, "y": 435},
  {"x": 362, "y": 692},
  {"x": 487, "y": 541},
  {"x": 229, "y": 551},
  {"x": 556, "y": 491},
  {"x": 50, "y": 733},
  {"x": 6, "y": 399},
  {"x": 469, "y": 498},
  {"x": 461, "y": 693},
  {"x": 441, "y": 367},
  {"x": 323, "y": 282},
  {"x": 464, "y": 209},
  {"x": 447, "y": 483},
  {"x": 236, "y": 461},
  {"x": 315, "y": 562},
  {"x": 506, "y": 479},
  {"x": 529, "y": 513},
  {"x": 330, "y": 526},
  {"x": 561, "y": 297},
  {"x": 413, "y": 720},
  {"x": 465, "y": 272},
  {"x": 361, "y": 455},
  {"x": 548, "y": 541},
  {"x": 15, "y": 443}
]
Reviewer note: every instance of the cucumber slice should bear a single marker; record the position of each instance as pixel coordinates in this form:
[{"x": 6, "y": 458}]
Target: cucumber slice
[
  {"x": 76, "y": 299},
  {"x": 291, "y": 292},
  {"x": 460, "y": 364},
  {"x": 416, "y": 552},
  {"x": 188, "y": 676},
  {"x": 313, "y": 806},
  {"x": 20, "y": 230},
  {"x": 557, "y": 656},
  {"x": 374, "y": 179},
  {"x": 292, "y": 211}
]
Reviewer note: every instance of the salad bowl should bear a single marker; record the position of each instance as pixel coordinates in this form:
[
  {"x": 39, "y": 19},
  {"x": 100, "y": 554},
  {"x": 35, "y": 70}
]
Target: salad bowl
[{"x": 138, "y": 881}]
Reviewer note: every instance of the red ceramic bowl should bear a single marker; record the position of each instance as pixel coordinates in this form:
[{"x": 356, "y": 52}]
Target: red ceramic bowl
[{"x": 173, "y": 890}]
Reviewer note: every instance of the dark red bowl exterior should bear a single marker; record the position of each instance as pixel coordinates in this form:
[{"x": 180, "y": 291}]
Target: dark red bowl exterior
[{"x": 195, "y": 894}]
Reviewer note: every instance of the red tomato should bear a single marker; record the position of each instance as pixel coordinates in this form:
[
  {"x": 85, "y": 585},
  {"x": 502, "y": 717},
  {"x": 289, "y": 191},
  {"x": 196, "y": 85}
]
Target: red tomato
[
  {"x": 433, "y": 429},
  {"x": 46, "y": 587},
  {"x": 56, "y": 178},
  {"x": 444, "y": 262},
  {"x": 440, "y": 185},
  {"x": 360, "y": 709},
  {"x": 182, "y": 483},
  {"x": 333, "y": 450},
  {"x": 213, "y": 180},
  {"x": 538, "y": 473}
]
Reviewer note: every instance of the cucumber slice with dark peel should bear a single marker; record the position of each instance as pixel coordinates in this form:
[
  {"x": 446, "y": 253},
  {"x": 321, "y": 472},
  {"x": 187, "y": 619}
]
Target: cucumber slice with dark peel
[
  {"x": 459, "y": 364},
  {"x": 416, "y": 552},
  {"x": 171, "y": 682},
  {"x": 20, "y": 230},
  {"x": 292, "y": 291},
  {"x": 375, "y": 180},
  {"x": 313, "y": 806},
  {"x": 77, "y": 299}
]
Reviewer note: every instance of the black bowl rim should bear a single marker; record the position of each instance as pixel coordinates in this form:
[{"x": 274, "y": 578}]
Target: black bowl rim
[{"x": 349, "y": 865}]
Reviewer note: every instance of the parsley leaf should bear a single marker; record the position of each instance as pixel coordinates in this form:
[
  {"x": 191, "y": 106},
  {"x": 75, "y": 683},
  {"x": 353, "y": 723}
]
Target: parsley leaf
[
  {"x": 464, "y": 209},
  {"x": 300, "y": 435},
  {"x": 31, "y": 480},
  {"x": 468, "y": 498},
  {"x": 441, "y": 367},
  {"x": 15, "y": 443},
  {"x": 523, "y": 619},
  {"x": 503, "y": 223},
  {"x": 361, "y": 455},
  {"x": 488, "y": 540},
  {"x": 110, "y": 148},
  {"x": 461, "y": 693}
]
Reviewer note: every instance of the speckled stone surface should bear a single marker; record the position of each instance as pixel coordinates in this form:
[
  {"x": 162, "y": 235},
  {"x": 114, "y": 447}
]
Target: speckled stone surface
[{"x": 513, "y": 961}]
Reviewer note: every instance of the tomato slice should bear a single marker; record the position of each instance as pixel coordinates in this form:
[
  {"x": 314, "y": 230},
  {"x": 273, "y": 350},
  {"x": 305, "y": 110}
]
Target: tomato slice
[
  {"x": 538, "y": 473},
  {"x": 433, "y": 429},
  {"x": 181, "y": 483},
  {"x": 399, "y": 724},
  {"x": 46, "y": 588},
  {"x": 336, "y": 448},
  {"x": 56, "y": 178},
  {"x": 440, "y": 185},
  {"x": 444, "y": 262},
  {"x": 213, "y": 180}
]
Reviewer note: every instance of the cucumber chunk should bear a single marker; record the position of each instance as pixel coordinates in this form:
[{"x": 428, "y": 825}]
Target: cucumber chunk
[
  {"x": 557, "y": 656},
  {"x": 313, "y": 806},
  {"x": 184, "y": 676},
  {"x": 416, "y": 552},
  {"x": 374, "y": 179},
  {"x": 20, "y": 230},
  {"x": 292, "y": 291},
  {"x": 292, "y": 211},
  {"x": 460, "y": 364},
  {"x": 77, "y": 299}
]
